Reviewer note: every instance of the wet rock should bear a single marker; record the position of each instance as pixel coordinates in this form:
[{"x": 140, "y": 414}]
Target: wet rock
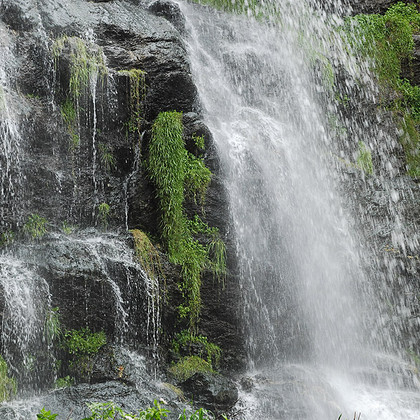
[
  {"x": 170, "y": 11},
  {"x": 213, "y": 392}
]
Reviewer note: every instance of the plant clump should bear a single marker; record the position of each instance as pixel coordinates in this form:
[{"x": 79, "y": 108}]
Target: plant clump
[
  {"x": 173, "y": 172},
  {"x": 83, "y": 342}
]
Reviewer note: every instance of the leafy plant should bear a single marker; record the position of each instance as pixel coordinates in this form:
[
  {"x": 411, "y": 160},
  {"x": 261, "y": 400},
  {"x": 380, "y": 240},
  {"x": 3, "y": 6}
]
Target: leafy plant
[
  {"x": 83, "y": 342},
  {"x": 35, "y": 226},
  {"x": 46, "y": 415},
  {"x": 109, "y": 410}
]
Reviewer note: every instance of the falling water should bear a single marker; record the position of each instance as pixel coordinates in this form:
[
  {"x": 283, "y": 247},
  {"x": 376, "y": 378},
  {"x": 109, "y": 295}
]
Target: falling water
[{"x": 308, "y": 300}]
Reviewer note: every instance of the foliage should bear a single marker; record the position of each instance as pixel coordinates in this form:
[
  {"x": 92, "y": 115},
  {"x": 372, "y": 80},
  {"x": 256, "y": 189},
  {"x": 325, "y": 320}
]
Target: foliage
[
  {"x": 174, "y": 171},
  {"x": 388, "y": 39},
  {"x": 189, "y": 366},
  {"x": 64, "y": 382},
  {"x": 211, "y": 351},
  {"x": 167, "y": 171},
  {"x": 35, "y": 226},
  {"x": 137, "y": 80},
  {"x": 364, "y": 159},
  {"x": 106, "y": 157},
  {"x": 109, "y": 410},
  {"x": 83, "y": 342},
  {"x": 46, "y": 415},
  {"x": 104, "y": 212},
  {"x": 197, "y": 178},
  {"x": 147, "y": 255},
  {"x": 52, "y": 327},
  {"x": 200, "y": 414},
  {"x": 8, "y": 386}
]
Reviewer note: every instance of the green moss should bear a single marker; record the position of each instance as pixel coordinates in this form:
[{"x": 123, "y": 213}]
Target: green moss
[
  {"x": 8, "y": 386},
  {"x": 64, "y": 382},
  {"x": 147, "y": 255},
  {"x": 137, "y": 81},
  {"x": 189, "y": 366},
  {"x": 205, "y": 349}
]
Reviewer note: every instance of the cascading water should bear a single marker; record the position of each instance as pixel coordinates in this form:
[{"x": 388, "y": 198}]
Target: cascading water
[{"x": 309, "y": 313}]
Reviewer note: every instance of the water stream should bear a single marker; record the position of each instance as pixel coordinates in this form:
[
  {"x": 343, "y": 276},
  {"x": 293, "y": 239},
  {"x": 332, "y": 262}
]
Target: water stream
[{"x": 309, "y": 307}]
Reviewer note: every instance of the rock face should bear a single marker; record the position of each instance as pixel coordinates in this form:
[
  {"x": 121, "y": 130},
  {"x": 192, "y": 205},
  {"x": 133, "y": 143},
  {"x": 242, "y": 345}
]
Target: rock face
[
  {"x": 372, "y": 6},
  {"x": 75, "y": 139}
]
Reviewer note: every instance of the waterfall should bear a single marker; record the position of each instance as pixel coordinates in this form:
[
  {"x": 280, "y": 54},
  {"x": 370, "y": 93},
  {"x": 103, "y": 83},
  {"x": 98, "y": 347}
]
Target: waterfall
[{"x": 312, "y": 319}]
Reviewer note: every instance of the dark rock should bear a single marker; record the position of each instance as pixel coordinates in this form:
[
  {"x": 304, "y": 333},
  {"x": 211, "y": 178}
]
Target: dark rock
[
  {"x": 213, "y": 392},
  {"x": 170, "y": 11}
]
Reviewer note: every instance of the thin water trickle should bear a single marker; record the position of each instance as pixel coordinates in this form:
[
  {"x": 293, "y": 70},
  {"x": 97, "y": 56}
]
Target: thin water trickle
[{"x": 310, "y": 306}]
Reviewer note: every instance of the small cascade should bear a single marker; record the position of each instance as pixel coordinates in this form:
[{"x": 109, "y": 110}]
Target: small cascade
[
  {"x": 24, "y": 336},
  {"x": 10, "y": 146}
]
